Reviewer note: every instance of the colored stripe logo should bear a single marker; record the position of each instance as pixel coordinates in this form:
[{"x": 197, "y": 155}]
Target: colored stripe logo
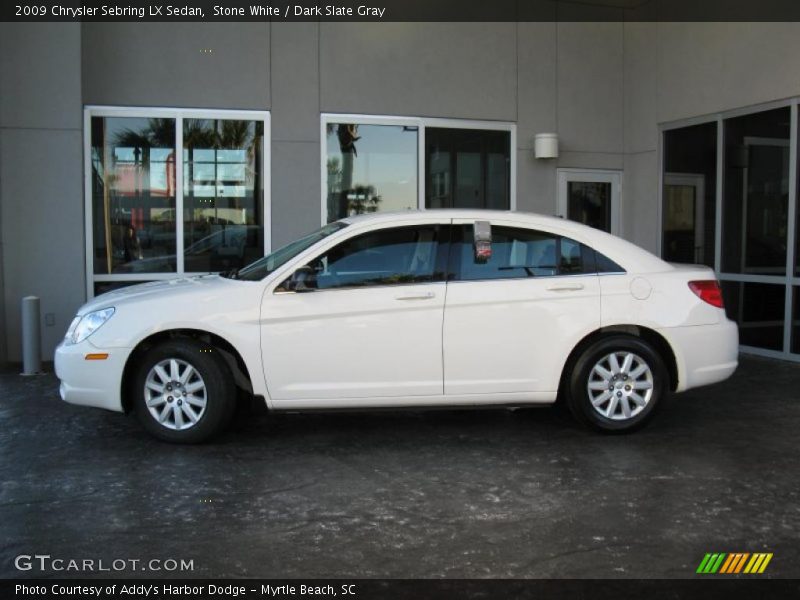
[{"x": 734, "y": 562}]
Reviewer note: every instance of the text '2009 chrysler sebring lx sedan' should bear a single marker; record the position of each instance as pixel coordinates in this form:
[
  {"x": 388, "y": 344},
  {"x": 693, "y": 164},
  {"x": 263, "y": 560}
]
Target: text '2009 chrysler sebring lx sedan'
[{"x": 414, "y": 309}]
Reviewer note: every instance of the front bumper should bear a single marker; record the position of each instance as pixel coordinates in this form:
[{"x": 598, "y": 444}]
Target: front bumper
[
  {"x": 91, "y": 382},
  {"x": 704, "y": 354}
]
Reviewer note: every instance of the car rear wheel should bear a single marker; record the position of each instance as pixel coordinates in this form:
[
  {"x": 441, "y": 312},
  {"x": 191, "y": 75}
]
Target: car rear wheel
[
  {"x": 616, "y": 384},
  {"x": 183, "y": 392}
]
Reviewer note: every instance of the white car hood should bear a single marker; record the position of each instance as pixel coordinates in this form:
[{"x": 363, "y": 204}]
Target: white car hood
[{"x": 176, "y": 287}]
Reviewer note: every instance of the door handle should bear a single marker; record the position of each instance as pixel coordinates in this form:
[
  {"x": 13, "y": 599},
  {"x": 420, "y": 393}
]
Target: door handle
[
  {"x": 425, "y": 296},
  {"x": 565, "y": 287}
]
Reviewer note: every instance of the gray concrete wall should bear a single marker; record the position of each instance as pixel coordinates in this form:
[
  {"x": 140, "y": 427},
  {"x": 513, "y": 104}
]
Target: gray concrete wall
[
  {"x": 195, "y": 65},
  {"x": 295, "y": 55},
  {"x": 41, "y": 198}
]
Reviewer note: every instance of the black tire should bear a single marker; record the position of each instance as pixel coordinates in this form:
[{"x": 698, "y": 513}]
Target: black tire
[
  {"x": 219, "y": 392},
  {"x": 577, "y": 393}
]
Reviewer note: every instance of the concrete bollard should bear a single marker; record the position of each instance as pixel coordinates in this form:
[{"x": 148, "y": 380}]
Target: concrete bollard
[{"x": 31, "y": 336}]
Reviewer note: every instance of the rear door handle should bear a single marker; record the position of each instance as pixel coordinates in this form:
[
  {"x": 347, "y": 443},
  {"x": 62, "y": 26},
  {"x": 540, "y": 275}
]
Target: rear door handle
[
  {"x": 425, "y": 296},
  {"x": 565, "y": 287}
]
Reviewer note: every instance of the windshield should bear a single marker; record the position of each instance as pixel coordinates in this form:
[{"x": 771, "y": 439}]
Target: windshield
[{"x": 264, "y": 266}]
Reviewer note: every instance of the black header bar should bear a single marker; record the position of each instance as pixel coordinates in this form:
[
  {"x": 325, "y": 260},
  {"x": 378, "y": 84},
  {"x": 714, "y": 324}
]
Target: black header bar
[{"x": 400, "y": 10}]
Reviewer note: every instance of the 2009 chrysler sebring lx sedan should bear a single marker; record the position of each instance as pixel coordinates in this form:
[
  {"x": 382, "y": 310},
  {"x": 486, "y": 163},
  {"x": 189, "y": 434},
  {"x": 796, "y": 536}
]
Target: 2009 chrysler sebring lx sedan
[{"x": 431, "y": 308}]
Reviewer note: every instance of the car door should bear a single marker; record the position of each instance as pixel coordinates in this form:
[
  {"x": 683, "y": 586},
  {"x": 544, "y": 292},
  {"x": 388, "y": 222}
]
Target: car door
[
  {"x": 370, "y": 326},
  {"x": 511, "y": 322}
]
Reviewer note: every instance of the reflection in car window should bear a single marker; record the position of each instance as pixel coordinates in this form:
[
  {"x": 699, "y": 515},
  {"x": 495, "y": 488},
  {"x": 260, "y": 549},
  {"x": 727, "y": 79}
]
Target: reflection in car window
[
  {"x": 264, "y": 266},
  {"x": 384, "y": 257},
  {"x": 520, "y": 253}
]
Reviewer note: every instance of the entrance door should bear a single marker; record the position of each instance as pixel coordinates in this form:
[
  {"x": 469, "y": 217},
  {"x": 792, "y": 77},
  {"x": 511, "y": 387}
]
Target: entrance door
[{"x": 591, "y": 197}]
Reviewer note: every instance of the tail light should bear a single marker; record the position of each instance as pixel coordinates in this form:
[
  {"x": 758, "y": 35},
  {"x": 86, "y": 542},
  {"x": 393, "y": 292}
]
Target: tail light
[{"x": 708, "y": 291}]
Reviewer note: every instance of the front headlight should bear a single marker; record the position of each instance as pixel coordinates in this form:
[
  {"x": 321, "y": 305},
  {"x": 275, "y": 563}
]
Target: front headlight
[{"x": 82, "y": 327}]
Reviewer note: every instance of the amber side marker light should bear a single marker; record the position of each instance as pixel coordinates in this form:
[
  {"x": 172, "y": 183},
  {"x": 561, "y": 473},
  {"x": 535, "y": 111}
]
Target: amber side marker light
[
  {"x": 96, "y": 356},
  {"x": 708, "y": 291}
]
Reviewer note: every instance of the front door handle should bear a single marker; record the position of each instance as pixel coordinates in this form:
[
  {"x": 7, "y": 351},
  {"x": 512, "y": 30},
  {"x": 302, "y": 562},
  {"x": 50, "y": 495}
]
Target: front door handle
[
  {"x": 424, "y": 296},
  {"x": 565, "y": 287}
]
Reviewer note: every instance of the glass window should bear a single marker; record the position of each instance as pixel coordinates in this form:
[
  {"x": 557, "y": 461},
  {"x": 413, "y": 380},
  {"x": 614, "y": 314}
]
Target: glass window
[
  {"x": 756, "y": 193},
  {"x": 589, "y": 202},
  {"x": 223, "y": 194},
  {"x": 385, "y": 257},
  {"x": 689, "y": 194},
  {"x": 370, "y": 168},
  {"x": 467, "y": 168},
  {"x": 133, "y": 194},
  {"x": 606, "y": 265},
  {"x": 758, "y": 308},
  {"x": 519, "y": 253},
  {"x": 138, "y": 207}
]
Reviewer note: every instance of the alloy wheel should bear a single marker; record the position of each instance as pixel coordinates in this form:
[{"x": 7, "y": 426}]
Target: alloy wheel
[
  {"x": 620, "y": 385},
  {"x": 175, "y": 394}
]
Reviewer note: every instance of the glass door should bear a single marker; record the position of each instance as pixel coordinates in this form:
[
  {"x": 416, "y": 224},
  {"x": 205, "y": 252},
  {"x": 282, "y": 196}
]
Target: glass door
[{"x": 591, "y": 197}]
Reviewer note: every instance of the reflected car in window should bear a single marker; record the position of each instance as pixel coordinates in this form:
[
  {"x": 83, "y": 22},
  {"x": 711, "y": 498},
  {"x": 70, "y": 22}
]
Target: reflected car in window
[
  {"x": 225, "y": 249},
  {"x": 411, "y": 309}
]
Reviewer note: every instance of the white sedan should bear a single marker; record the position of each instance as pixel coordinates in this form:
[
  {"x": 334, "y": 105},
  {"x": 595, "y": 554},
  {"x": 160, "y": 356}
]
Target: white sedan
[{"x": 456, "y": 308}]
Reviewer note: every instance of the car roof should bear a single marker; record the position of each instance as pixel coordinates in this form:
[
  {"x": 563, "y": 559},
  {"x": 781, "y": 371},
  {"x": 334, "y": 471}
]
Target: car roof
[{"x": 633, "y": 258}]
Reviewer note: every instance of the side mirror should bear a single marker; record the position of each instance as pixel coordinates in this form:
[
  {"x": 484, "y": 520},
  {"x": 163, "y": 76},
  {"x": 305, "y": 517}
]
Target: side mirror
[
  {"x": 304, "y": 279},
  {"x": 483, "y": 241}
]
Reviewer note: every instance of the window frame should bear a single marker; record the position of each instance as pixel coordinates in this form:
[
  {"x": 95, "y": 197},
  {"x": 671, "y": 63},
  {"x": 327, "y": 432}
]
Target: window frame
[
  {"x": 178, "y": 114},
  {"x": 420, "y": 123}
]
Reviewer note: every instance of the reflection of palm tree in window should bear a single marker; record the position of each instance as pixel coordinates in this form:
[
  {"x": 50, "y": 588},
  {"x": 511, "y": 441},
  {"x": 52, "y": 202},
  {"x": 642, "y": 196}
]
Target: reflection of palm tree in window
[{"x": 352, "y": 198}]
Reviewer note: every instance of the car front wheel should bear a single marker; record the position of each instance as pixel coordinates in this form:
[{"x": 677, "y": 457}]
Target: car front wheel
[
  {"x": 617, "y": 384},
  {"x": 183, "y": 392}
]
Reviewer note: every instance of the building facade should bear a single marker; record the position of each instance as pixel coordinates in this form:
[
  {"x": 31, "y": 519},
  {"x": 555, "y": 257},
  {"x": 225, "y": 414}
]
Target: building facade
[{"x": 137, "y": 151}]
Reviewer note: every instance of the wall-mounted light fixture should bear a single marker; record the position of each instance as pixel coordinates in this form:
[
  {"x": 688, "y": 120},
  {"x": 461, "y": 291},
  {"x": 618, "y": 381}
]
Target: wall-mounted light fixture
[{"x": 545, "y": 145}]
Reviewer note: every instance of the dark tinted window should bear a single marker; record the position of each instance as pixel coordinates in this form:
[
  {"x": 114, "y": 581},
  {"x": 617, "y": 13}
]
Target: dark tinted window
[
  {"x": 521, "y": 253},
  {"x": 467, "y": 168},
  {"x": 606, "y": 265},
  {"x": 384, "y": 257}
]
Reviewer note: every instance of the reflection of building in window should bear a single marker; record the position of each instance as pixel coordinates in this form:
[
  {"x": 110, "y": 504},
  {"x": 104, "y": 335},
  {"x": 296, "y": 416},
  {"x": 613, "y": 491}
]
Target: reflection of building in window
[{"x": 221, "y": 174}]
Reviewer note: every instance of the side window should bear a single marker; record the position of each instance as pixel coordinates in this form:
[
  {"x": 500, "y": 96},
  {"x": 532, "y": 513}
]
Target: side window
[
  {"x": 384, "y": 257},
  {"x": 606, "y": 265},
  {"x": 519, "y": 253},
  {"x": 576, "y": 258}
]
